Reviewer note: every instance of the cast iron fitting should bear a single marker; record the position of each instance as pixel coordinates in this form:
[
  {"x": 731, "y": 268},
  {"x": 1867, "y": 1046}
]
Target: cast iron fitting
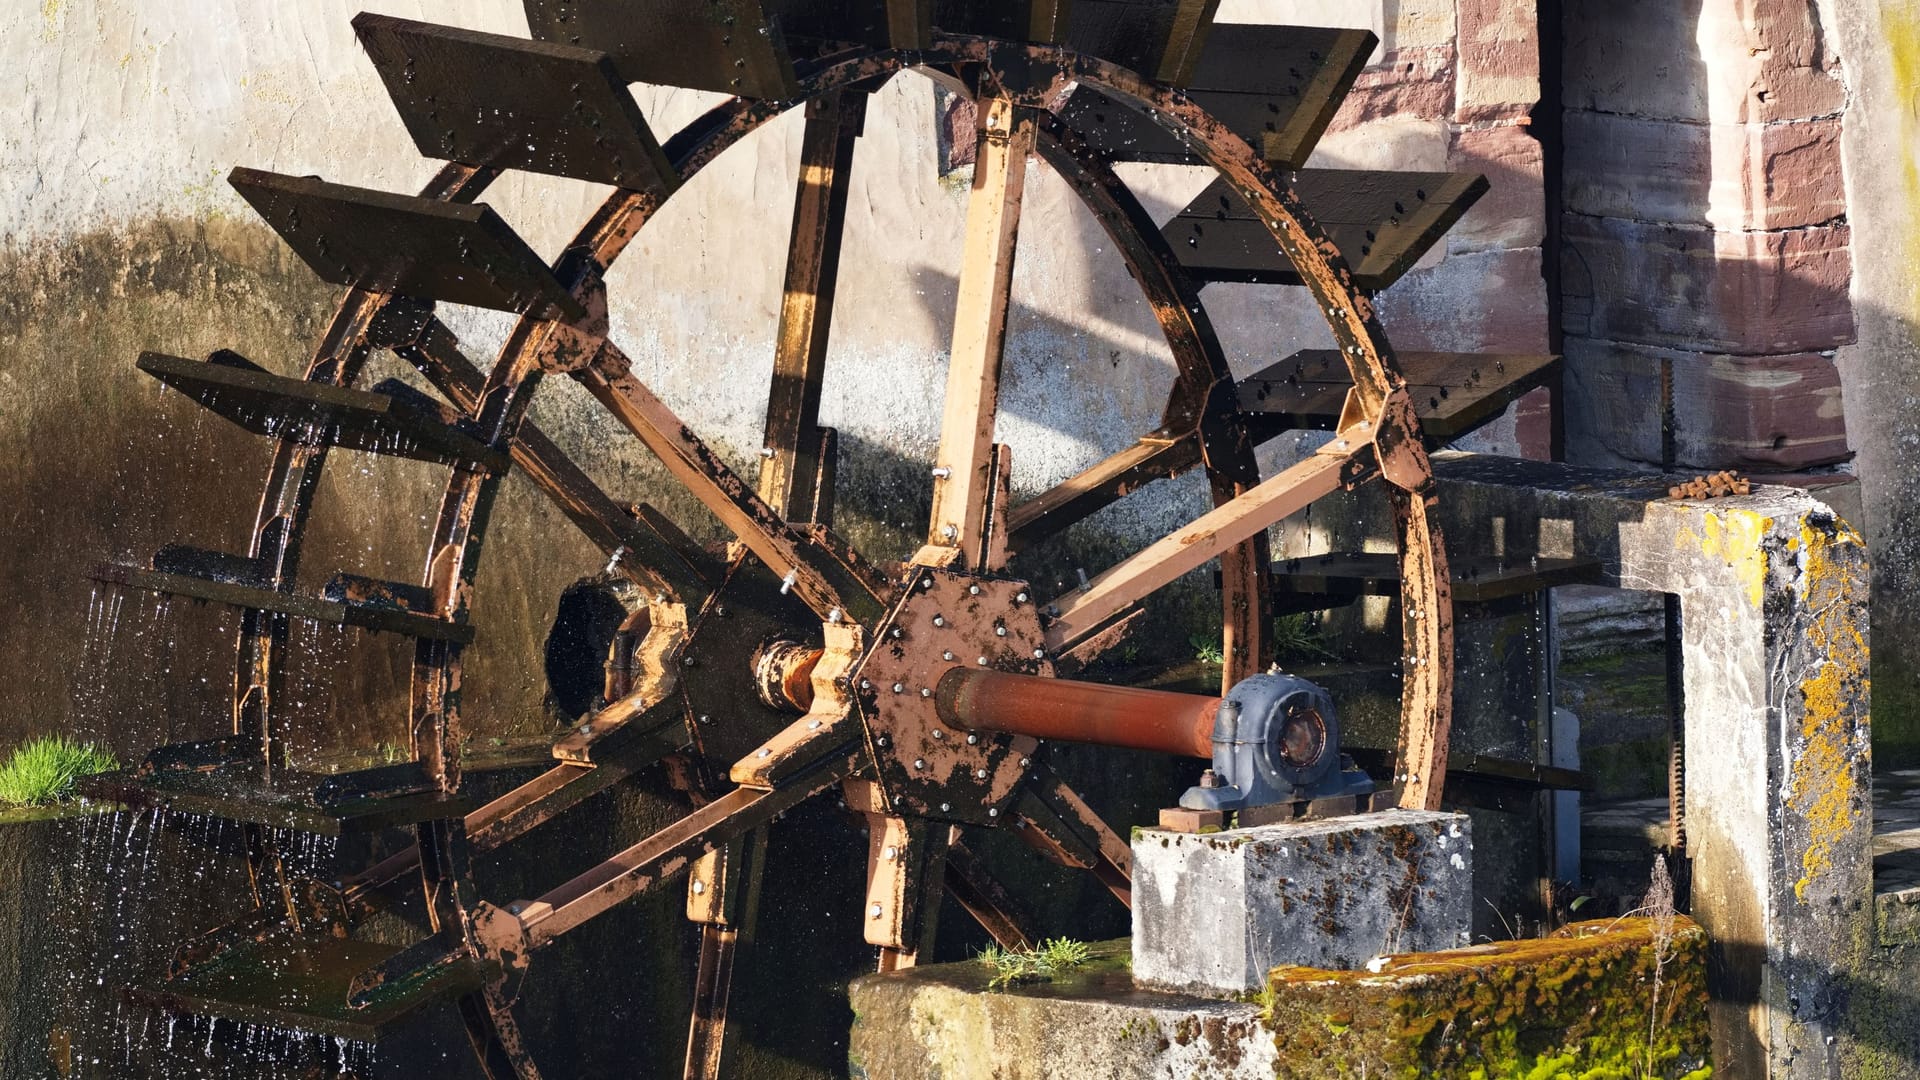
[
  {"x": 783, "y": 674},
  {"x": 1275, "y": 739}
]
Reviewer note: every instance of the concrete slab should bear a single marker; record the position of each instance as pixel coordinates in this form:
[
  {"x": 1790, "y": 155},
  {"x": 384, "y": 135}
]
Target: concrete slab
[{"x": 1214, "y": 912}]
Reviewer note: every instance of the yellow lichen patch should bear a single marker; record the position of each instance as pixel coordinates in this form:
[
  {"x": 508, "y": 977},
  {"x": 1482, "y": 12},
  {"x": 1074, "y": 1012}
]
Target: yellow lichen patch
[
  {"x": 1734, "y": 537},
  {"x": 1823, "y": 788}
]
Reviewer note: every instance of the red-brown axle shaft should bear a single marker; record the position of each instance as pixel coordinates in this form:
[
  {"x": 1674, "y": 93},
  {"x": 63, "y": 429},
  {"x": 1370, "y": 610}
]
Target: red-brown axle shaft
[{"x": 1158, "y": 720}]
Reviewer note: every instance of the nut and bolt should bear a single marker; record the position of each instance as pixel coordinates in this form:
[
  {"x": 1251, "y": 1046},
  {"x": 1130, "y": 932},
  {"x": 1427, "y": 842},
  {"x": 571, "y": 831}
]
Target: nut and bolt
[
  {"x": 972, "y": 740},
  {"x": 898, "y": 687},
  {"x": 699, "y": 886},
  {"x": 946, "y": 808},
  {"x": 874, "y": 911},
  {"x": 891, "y": 853},
  {"x": 999, "y": 631},
  {"x": 1019, "y": 598},
  {"x": 1211, "y": 779},
  {"x": 926, "y": 692},
  {"x": 939, "y": 621},
  {"x": 942, "y": 472},
  {"x": 973, "y": 590},
  {"x": 938, "y": 734},
  {"x": 919, "y": 763}
]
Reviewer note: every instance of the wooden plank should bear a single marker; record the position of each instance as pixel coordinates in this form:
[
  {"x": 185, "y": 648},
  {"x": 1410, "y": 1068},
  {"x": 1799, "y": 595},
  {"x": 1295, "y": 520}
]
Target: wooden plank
[
  {"x": 1100, "y": 485},
  {"x": 509, "y": 103},
  {"x": 791, "y": 469},
  {"x": 461, "y": 253},
  {"x": 1453, "y": 393},
  {"x": 1085, "y": 610},
  {"x": 242, "y": 595},
  {"x": 1277, "y": 87},
  {"x": 726, "y": 46},
  {"x": 1043, "y": 21},
  {"x": 393, "y": 419},
  {"x": 1160, "y": 39},
  {"x": 979, "y": 332},
  {"x": 1478, "y": 579},
  {"x": 1382, "y": 222}
]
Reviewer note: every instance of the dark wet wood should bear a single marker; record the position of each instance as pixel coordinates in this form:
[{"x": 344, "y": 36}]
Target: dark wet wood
[
  {"x": 726, "y": 46},
  {"x": 1277, "y": 87},
  {"x": 509, "y": 103},
  {"x": 430, "y": 249},
  {"x": 1382, "y": 222},
  {"x": 1453, "y": 393}
]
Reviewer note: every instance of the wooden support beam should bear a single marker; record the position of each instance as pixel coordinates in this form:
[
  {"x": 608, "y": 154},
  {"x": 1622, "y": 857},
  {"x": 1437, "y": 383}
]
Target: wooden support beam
[
  {"x": 790, "y": 471},
  {"x": 960, "y": 494}
]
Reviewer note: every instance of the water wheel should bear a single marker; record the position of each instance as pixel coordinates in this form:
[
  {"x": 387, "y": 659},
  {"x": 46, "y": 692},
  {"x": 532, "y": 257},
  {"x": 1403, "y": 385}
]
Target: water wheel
[{"x": 789, "y": 666}]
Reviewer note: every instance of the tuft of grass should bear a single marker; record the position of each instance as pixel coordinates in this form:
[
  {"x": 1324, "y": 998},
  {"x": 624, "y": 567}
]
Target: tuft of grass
[
  {"x": 1296, "y": 640},
  {"x": 43, "y": 770},
  {"x": 1206, "y": 651},
  {"x": 1012, "y": 967}
]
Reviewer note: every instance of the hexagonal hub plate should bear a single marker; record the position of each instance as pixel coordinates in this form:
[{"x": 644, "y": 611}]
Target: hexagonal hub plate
[{"x": 948, "y": 620}]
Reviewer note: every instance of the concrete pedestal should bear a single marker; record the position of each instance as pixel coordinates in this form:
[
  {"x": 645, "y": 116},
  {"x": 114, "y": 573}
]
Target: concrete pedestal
[{"x": 1214, "y": 912}]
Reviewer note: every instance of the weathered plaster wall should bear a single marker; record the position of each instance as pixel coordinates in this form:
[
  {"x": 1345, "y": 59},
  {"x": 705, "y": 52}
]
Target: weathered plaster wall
[{"x": 118, "y": 233}]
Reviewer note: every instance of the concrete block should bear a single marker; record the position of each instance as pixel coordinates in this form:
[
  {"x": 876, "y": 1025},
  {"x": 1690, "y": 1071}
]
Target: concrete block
[
  {"x": 1579, "y": 1001},
  {"x": 1729, "y": 176},
  {"x": 1770, "y": 413},
  {"x": 1773, "y": 610},
  {"x": 1696, "y": 288},
  {"x": 1217, "y": 911}
]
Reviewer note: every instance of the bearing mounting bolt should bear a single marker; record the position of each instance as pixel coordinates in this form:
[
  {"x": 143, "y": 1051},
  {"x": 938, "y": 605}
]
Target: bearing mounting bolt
[
  {"x": 874, "y": 911},
  {"x": 1210, "y": 779}
]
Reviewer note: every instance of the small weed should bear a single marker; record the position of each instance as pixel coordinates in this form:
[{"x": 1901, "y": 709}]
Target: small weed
[
  {"x": 44, "y": 769},
  {"x": 390, "y": 753},
  {"x": 1206, "y": 651},
  {"x": 1012, "y": 967},
  {"x": 1297, "y": 640}
]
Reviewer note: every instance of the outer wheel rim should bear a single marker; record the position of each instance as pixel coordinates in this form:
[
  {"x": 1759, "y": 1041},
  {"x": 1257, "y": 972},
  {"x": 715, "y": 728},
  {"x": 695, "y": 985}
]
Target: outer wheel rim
[{"x": 509, "y": 388}]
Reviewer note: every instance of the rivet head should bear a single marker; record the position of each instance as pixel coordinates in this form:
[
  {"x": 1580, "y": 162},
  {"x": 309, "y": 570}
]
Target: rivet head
[
  {"x": 980, "y": 774},
  {"x": 946, "y": 808},
  {"x": 898, "y": 687},
  {"x": 926, "y": 583},
  {"x": 891, "y": 853},
  {"x": 813, "y": 726},
  {"x": 926, "y": 692},
  {"x": 865, "y": 685},
  {"x": 1024, "y": 762},
  {"x": 938, "y": 621},
  {"x": 699, "y": 887},
  {"x": 586, "y": 729},
  {"x": 1039, "y": 654},
  {"x": 1019, "y": 598},
  {"x": 919, "y": 763},
  {"x": 898, "y": 633},
  {"x": 938, "y": 734},
  {"x": 880, "y": 740},
  {"x": 972, "y": 739},
  {"x": 983, "y": 661},
  {"x": 973, "y": 590},
  {"x": 764, "y": 752},
  {"x": 951, "y": 532},
  {"x": 999, "y": 631},
  {"x": 705, "y": 719},
  {"x": 993, "y": 811},
  {"x": 874, "y": 911},
  {"x": 947, "y": 655}
]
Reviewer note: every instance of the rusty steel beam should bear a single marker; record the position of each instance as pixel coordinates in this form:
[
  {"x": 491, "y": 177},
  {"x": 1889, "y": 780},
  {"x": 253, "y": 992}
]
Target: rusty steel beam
[{"x": 1158, "y": 720}]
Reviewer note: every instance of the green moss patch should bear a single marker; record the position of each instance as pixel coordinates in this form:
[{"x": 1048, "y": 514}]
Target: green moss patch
[{"x": 1606, "y": 1000}]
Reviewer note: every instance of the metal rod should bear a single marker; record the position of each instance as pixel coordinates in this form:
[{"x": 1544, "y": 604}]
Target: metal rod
[{"x": 1158, "y": 720}]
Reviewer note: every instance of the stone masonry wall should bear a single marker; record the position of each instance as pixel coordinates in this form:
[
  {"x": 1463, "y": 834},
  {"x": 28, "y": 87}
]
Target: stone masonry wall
[{"x": 1706, "y": 235}]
